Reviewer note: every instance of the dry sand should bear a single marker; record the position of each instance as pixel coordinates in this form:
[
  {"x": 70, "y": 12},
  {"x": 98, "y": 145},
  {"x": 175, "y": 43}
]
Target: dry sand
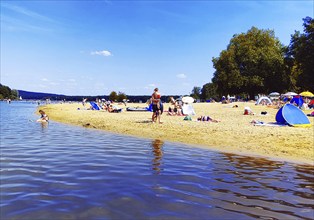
[{"x": 234, "y": 134}]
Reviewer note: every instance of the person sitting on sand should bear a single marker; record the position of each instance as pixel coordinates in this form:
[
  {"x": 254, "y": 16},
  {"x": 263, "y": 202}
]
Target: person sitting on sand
[
  {"x": 43, "y": 116},
  {"x": 207, "y": 118},
  {"x": 171, "y": 111},
  {"x": 172, "y": 101},
  {"x": 178, "y": 110}
]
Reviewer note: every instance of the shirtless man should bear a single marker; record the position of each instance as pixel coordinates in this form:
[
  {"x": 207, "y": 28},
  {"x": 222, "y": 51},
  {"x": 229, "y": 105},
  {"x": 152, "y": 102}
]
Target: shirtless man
[{"x": 156, "y": 106}]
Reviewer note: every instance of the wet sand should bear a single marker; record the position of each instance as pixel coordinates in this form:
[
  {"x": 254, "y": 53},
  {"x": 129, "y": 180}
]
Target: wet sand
[{"x": 234, "y": 134}]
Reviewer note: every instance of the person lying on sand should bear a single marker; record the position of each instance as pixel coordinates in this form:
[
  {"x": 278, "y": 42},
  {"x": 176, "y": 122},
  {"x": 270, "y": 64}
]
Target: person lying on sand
[
  {"x": 114, "y": 109},
  {"x": 207, "y": 118},
  {"x": 248, "y": 111}
]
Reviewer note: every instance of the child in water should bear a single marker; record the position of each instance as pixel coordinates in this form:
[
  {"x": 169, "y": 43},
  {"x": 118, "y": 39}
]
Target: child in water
[{"x": 43, "y": 117}]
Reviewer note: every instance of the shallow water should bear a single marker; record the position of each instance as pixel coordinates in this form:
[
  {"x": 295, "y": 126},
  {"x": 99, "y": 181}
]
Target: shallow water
[{"x": 56, "y": 171}]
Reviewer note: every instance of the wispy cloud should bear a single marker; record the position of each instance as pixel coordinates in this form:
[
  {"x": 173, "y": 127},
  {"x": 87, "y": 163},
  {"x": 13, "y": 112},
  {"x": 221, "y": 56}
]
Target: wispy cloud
[
  {"x": 12, "y": 24},
  {"x": 54, "y": 84},
  {"x": 105, "y": 53},
  {"x": 181, "y": 76},
  {"x": 15, "y": 18},
  {"x": 26, "y": 12},
  {"x": 150, "y": 86},
  {"x": 44, "y": 79}
]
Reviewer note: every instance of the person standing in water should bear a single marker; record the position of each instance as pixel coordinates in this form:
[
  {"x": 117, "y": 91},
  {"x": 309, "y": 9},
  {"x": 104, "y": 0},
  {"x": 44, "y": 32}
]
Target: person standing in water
[{"x": 157, "y": 106}]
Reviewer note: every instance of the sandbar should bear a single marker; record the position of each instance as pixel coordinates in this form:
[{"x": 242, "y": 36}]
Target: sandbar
[{"x": 234, "y": 134}]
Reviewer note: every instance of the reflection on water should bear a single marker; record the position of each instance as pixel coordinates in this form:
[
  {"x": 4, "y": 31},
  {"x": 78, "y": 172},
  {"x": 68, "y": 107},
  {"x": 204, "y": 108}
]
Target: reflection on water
[
  {"x": 158, "y": 153},
  {"x": 66, "y": 172},
  {"x": 44, "y": 125}
]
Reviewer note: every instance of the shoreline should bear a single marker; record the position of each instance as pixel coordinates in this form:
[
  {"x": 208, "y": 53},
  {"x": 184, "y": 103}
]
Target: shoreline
[{"x": 234, "y": 134}]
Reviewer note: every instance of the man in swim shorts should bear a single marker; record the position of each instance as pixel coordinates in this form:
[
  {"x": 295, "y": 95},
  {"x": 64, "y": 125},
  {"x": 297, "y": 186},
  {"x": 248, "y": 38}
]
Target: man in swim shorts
[{"x": 157, "y": 106}]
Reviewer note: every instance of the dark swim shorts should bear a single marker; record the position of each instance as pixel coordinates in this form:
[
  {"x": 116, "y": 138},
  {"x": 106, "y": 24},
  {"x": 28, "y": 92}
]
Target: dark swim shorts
[{"x": 155, "y": 108}]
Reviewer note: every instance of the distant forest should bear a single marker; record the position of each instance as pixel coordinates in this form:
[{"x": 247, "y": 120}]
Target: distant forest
[{"x": 8, "y": 93}]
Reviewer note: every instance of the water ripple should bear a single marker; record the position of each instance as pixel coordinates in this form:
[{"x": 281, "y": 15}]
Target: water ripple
[{"x": 64, "y": 172}]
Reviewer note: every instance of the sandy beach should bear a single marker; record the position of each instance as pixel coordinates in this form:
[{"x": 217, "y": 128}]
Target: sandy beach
[{"x": 234, "y": 134}]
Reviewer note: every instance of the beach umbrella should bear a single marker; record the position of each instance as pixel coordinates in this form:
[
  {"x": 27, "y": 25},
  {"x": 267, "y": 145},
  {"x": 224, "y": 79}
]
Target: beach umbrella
[
  {"x": 274, "y": 94},
  {"x": 306, "y": 94},
  {"x": 290, "y": 94}
]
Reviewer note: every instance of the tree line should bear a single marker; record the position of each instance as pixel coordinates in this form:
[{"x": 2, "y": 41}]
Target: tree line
[
  {"x": 256, "y": 62},
  {"x": 8, "y": 93}
]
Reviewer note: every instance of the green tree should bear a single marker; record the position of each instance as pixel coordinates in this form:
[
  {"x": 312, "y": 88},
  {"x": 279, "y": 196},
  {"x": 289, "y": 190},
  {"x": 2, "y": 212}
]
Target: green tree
[
  {"x": 14, "y": 94},
  {"x": 121, "y": 96},
  {"x": 196, "y": 92},
  {"x": 5, "y": 91},
  {"x": 208, "y": 91},
  {"x": 252, "y": 63},
  {"x": 113, "y": 96},
  {"x": 301, "y": 56}
]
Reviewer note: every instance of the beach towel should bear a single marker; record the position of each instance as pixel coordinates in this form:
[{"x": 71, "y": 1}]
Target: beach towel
[{"x": 270, "y": 124}]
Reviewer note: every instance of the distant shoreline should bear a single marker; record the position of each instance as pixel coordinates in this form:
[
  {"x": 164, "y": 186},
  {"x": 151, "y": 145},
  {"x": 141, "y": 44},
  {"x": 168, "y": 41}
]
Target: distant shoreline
[{"x": 234, "y": 134}]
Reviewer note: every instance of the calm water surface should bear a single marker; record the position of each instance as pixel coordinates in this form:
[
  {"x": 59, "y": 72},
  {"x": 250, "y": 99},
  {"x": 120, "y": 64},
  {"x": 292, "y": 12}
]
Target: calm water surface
[{"x": 55, "y": 171}]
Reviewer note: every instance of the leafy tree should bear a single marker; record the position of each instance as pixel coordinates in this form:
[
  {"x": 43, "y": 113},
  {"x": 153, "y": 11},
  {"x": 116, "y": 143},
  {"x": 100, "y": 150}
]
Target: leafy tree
[
  {"x": 252, "y": 63},
  {"x": 121, "y": 96},
  {"x": 208, "y": 91},
  {"x": 113, "y": 96},
  {"x": 7, "y": 93},
  {"x": 196, "y": 92},
  {"x": 300, "y": 56},
  {"x": 14, "y": 94}
]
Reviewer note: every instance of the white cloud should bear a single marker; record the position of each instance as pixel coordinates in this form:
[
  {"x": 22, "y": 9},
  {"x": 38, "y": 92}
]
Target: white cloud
[
  {"x": 44, "y": 79},
  {"x": 105, "y": 53},
  {"x": 181, "y": 76},
  {"x": 152, "y": 85},
  {"x": 54, "y": 83}
]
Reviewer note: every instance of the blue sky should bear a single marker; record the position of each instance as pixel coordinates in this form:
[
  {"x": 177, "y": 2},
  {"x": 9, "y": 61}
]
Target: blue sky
[{"x": 95, "y": 47}]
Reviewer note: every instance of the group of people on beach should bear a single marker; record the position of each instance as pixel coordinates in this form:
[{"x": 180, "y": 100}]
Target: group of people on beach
[
  {"x": 172, "y": 111},
  {"x": 105, "y": 105},
  {"x": 176, "y": 109}
]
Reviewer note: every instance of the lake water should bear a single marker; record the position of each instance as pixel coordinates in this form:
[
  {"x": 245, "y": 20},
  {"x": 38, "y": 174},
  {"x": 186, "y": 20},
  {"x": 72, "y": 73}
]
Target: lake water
[{"x": 57, "y": 171}]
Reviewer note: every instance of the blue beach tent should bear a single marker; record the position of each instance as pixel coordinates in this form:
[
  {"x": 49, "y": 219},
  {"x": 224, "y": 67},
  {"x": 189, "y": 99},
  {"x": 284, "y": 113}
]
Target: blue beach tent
[
  {"x": 150, "y": 108},
  {"x": 94, "y": 105},
  {"x": 293, "y": 116}
]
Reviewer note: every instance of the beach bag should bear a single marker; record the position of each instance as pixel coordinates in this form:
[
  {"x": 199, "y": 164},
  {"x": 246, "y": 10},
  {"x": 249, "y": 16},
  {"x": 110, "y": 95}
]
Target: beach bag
[{"x": 187, "y": 118}]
